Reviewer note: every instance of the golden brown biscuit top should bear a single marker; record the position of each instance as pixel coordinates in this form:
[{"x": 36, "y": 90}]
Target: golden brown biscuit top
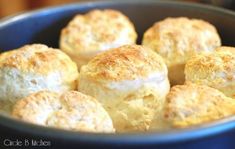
[
  {"x": 214, "y": 68},
  {"x": 192, "y": 104},
  {"x": 97, "y": 27},
  {"x": 37, "y": 58},
  {"x": 226, "y": 49},
  {"x": 177, "y": 39},
  {"x": 71, "y": 110},
  {"x": 70, "y": 99},
  {"x": 125, "y": 63}
]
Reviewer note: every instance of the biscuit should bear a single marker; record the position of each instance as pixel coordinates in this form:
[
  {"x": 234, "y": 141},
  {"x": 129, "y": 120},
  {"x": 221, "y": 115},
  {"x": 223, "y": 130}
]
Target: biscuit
[
  {"x": 130, "y": 81},
  {"x": 192, "y": 104},
  {"x": 177, "y": 39},
  {"x": 32, "y": 68},
  {"x": 71, "y": 110},
  {"x": 215, "y": 69},
  {"x": 94, "y": 32}
]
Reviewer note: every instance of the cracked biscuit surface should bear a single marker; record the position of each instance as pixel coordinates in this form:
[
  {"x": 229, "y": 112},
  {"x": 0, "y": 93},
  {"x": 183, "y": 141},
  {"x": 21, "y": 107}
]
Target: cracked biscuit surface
[
  {"x": 192, "y": 104},
  {"x": 71, "y": 110},
  {"x": 88, "y": 34},
  {"x": 177, "y": 39},
  {"x": 32, "y": 68},
  {"x": 130, "y": 81},
  {"x": 215, "y": 69}
]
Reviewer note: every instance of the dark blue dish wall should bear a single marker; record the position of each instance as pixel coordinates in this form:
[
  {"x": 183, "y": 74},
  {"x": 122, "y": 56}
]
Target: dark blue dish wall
[{"x": 44, "y": 26}]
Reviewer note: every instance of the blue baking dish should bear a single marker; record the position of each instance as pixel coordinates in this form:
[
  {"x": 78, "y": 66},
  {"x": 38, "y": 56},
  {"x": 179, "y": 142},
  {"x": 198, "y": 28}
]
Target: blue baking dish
[{"x": 43, "y": 26}]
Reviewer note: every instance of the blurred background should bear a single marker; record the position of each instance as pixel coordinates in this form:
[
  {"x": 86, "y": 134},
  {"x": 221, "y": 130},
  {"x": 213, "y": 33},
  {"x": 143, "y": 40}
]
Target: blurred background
[{"x": 11, "y": 7}]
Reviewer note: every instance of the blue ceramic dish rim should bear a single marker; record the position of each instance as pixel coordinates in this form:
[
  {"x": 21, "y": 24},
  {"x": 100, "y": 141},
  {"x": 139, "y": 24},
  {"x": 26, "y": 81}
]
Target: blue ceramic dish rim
[{"x": 164, "y": 137}]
